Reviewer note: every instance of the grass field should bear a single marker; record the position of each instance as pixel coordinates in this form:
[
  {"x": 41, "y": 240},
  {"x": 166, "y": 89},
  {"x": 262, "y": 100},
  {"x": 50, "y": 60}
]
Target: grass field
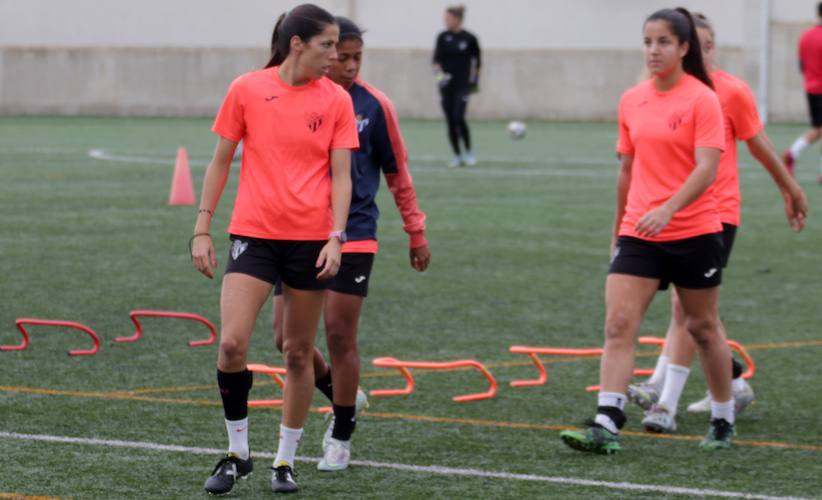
[{"x": 519, "y": 257}]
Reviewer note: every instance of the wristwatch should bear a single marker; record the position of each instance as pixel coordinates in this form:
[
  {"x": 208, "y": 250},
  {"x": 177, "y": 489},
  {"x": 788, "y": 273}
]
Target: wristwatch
[{"x": 340, "y": 235}]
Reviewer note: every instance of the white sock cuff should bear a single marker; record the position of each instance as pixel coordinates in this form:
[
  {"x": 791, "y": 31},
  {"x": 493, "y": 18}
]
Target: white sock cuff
[
  {"x": 682, "y": 370},
  {"x": 798, "y": 146},
  {"x": 288, "y": 431},
  {"x": 615, "y": 399},
  {"x": 723, "y": 410},
  {"x": 234, "y": 424}
]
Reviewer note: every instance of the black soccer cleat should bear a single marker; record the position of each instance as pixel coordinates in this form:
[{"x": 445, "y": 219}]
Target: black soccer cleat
[
  {"x": 228, "y": 471},
  {"x": 282, "y": 479}
]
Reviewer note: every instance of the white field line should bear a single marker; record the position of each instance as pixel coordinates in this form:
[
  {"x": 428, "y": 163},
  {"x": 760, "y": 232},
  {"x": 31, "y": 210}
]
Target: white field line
[
  {"x": 598, "y": 173},
  {"x": 427, "y": 469}
]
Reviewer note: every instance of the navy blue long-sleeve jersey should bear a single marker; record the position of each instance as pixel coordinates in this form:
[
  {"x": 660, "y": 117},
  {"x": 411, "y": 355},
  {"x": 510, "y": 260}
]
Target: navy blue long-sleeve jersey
[{"x": 381, "y": 150}]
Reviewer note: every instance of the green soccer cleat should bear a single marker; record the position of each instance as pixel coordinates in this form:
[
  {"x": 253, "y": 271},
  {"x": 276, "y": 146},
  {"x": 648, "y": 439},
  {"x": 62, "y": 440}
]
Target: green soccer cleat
[
  {"x": 719, "y": 435},
  {"x": 595, "y": 439}
]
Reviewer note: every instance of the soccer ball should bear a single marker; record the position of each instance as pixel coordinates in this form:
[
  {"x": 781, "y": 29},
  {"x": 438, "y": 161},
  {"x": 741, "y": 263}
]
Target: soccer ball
[{"x": 517, "y": 129}]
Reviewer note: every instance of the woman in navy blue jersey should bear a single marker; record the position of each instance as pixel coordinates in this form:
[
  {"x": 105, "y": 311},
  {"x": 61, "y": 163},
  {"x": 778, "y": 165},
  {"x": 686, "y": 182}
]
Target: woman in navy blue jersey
[
  {"x": 381, "y": 153},
  {"x": 457, "y": 64}
]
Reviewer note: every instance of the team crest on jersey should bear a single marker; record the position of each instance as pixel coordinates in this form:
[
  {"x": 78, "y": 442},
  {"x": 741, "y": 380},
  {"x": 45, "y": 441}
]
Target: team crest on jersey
[
  {"x": 362, "y": 122},
  {"x": 675, "y": 120},
  {"x": 463, "y": 45},
  {"x": 314, "y": 121}
]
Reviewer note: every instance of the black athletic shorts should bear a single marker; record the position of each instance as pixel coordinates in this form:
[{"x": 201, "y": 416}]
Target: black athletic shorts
[
  {"x": 273, "y": 260},
  {"x": 352, "y": 278},
  {"x": 815, "y": 109},
  {"x": 728, "y": 237},
  {"x": 690, "y": 263}
]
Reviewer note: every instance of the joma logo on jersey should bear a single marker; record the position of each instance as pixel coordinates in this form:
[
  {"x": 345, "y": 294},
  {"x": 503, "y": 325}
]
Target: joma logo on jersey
[
  {"x": 362, "y": 122},
  {"x": 314, "y": 121}
]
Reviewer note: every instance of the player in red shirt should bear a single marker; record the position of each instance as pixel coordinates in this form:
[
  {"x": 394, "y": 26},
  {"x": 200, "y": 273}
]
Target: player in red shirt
[
  {"x": 667, "y": 229},
  {"x": 288, "y": 220},
  {"x": 810, "y": 63},
  {"x": 660, "y": 394}
]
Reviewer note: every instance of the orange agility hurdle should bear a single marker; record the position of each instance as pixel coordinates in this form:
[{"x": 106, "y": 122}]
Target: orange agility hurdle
[
  {"x": 275, "y": 373},
  {"x": 138, "y": 332},
  {"x": 533, "y": 352},
  {"x": 659, "y": 341},
  {"x": 403, "y": 367},
  {"x": 48, "y": 322}
]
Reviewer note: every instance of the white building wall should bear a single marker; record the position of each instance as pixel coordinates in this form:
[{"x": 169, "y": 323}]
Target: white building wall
[{"x": 556, "y": 59}]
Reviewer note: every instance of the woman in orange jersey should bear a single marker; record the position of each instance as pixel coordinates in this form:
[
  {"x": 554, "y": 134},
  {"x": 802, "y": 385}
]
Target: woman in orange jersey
[
  {"x": 660, "y": 394},
  {"x": 667, "y": 229},
  {"x": 288, "y": 222}
]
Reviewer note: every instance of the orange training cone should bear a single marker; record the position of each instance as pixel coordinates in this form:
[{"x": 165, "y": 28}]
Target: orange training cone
[{"x": 182, "y": 188}]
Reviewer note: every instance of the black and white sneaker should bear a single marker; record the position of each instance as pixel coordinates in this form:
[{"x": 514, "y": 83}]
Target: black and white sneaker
[
  {"x": 282, "y": 479},
  {"x": 227, "y": 471}
]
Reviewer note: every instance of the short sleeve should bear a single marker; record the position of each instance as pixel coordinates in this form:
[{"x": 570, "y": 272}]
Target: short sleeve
[
  {"x": 624, "y": 144},
  {"x": 745, "y": 116},
  {"x": 709, "y": 129},
  {"x": 345, "y": 124},
  {"x": 230, "y": 120}
]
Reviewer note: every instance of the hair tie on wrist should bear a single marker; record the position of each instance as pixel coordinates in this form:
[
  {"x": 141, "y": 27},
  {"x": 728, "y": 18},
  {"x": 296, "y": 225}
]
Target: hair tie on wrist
[{"x": 191, "y": 240}]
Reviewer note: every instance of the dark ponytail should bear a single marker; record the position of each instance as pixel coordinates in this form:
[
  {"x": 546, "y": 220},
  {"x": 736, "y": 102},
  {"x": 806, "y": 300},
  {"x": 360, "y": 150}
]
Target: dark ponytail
[
  {"x": 683, "y": 27},
  {"x": 276, "y": 57},
  {"x": 305, "y": 21}
]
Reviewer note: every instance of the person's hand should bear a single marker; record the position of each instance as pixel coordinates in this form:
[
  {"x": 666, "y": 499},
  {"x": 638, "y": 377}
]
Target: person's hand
[
  {"x": 654, "y": 221},
  {"x": 796, "y": 208},
  {"x": 442, "y": 78},
  {"x": 329, "y": 259},
  {"x": 202, "y": 254},
  {"x": 420, "y": 258}
]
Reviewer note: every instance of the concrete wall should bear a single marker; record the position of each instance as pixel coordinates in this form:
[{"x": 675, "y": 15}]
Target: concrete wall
[{"x": 553, "y": 59}]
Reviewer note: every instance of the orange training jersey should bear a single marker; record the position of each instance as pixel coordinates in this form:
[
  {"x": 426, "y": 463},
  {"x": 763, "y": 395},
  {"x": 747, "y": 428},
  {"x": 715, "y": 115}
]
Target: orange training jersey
[
  {"x": 288, "y": 134},
  {"x": 741, "y": 123},
  {"x": 662, "y": 130}
]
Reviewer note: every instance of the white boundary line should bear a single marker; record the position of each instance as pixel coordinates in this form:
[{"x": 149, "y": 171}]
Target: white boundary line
[{"x": 429, "y": 469}]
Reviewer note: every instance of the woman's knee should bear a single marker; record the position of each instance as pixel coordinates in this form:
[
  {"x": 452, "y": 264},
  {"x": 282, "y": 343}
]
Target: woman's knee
[
  {"x": 619, "y": 327},
  {"x": 297, "y": 354},
  {"x": 341, "y": 336},
  {"x": 703, "y": 329},
  {"x": 233, "y": 348}
]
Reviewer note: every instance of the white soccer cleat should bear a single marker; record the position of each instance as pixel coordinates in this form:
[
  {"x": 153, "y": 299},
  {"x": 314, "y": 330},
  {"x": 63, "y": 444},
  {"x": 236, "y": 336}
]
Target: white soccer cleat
[
  {"x": 468, "y": 159},
  {"x": 742, "y": 398},
  {"x": 336, "y": 457},
  {"x": 659, "y": 419},
  {"x": 643, "y": 394},
  {"x": 455, "y": 162},
  {"x": 701, "y": 406},
  {"x": 360, "y": 405}
]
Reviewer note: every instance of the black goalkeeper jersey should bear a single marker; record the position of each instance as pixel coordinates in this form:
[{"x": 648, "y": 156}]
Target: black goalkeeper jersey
[{"x": 458, "y": 54}]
